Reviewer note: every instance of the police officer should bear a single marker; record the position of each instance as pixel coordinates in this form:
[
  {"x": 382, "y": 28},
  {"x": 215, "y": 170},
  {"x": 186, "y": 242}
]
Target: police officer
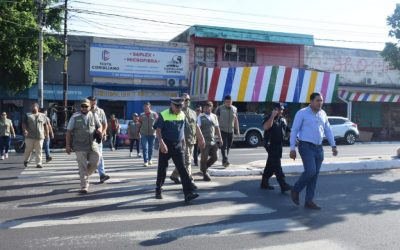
[
  {"x": 81, "y": 128},
  {"x": 170, "y": 127},
  {"x": 275, "y": 129},
  {"x": 192, "y": 132}
]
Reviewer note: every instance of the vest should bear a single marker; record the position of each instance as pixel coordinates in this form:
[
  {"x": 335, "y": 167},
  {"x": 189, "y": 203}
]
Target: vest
[
  {"x": 208, "y": 129},
  {"x": 35, "y": 125},
  {"x": 190, "y": 127},
  {"x": 172, "y": 129},
  {"x": 147, "y": 123},
  {"x": 82, "y": 139},
  {"x": 133, "y": 130},
  {"x": 226, "y": 118},
  {"x": 5, "y": 127}
]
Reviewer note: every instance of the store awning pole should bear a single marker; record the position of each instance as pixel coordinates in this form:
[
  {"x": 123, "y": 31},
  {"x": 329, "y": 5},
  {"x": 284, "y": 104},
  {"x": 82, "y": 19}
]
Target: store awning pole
[{"x": 349, "y": 107}]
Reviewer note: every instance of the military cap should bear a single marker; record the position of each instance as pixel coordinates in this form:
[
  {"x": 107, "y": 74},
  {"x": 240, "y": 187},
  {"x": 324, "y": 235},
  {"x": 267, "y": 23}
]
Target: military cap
[{"x": 85, "y": 102}]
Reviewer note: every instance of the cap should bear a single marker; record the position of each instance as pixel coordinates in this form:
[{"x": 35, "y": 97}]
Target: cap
[
  {"x": 135, "y": 114},
  {"x": 278, "y": 105},
  {"x": 177, "y": 100},
  {"x": 85, "y": 102}
]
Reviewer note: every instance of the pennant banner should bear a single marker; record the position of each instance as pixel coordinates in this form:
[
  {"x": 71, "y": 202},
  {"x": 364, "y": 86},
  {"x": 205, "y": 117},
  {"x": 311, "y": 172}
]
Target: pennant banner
[
  {"x": 355, "y": 96},
  {"x": 262, "y": 84}
]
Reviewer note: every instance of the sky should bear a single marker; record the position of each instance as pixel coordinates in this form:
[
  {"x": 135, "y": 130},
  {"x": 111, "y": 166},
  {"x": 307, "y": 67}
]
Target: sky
[{"x": 340, "y": 23}]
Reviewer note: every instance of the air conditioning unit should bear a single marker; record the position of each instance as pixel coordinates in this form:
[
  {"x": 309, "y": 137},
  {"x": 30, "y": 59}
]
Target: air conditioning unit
[
  {"x": 172, "y": 82},
  {"x": 230, "y": 47},
  {"x": 369, "y": 81}
]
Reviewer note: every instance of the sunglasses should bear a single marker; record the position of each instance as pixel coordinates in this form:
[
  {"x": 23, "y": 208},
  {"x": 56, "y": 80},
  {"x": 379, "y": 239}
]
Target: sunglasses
[
  {"x": 178, "y": 105},
  {"x": 84, "y": 106},
  {"x": 187, "y": 100}
]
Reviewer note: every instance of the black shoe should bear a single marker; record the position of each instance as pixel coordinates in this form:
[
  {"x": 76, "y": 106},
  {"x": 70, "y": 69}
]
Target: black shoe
[
  {"x": 103, "y": 178},
  {"x": 83, "y": 191},
  {"x": 39, "y": 166},
  {"x": 265, "y": 185},
  {"x": 312, "y": 205},
  {"x": 285, "y": 188},
  {"x": 193, "y": 186},
  {"x": 295, "y": 197},
  {"x": 190, "y": 196},
  {"x": 226, "y": 164},
  {"x": 175, "y": 179},
  {"x": 206, "y": 177},
  {"x": 158, "y": 194},
  {"x": 25, "y": 163},
  {"x": 49, "y": 159}
]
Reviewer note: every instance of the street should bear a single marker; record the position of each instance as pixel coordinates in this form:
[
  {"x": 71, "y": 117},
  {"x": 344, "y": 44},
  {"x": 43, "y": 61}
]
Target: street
[{"x": 41, "y": 209}]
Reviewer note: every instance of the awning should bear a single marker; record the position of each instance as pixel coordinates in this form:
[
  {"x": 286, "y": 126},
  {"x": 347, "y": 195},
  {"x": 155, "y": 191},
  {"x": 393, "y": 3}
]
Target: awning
[
  {"x": 363, "y": 96},
  {"x": 262, "y": 84}
]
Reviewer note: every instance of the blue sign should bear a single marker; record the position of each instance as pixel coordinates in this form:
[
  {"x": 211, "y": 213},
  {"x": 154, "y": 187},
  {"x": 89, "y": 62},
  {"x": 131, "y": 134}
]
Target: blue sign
[{"x": 55, "y": 92}]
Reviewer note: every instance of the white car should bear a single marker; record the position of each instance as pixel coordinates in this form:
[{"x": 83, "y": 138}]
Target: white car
[{"x": 344, "y": 129}]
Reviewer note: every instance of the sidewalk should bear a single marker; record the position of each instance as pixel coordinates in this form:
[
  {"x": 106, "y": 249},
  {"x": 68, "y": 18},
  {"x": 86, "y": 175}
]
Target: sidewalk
[{"x": 329, "y": 165}]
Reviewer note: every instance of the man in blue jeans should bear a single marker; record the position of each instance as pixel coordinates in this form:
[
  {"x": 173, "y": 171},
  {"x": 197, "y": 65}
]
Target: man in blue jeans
[
  {"x": 147, "y": 132},
  {"x": 309, "y": 127}
]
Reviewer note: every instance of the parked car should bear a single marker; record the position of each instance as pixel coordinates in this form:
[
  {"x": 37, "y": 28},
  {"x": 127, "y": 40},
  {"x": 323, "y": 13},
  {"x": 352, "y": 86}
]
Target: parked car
[
  {"x": 343, "y": 129},
  {"x": 251, "y": 130}
]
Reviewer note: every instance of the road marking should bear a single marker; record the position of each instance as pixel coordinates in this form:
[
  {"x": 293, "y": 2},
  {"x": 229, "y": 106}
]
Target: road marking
[
  {"x": 308, "y": 245},
  {"x": 206, "y": 231},
  {"x": 192, "y": 211}
]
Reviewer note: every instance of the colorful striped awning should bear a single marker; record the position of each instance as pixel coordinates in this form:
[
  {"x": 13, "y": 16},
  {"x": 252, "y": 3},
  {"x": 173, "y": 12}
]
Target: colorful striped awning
[
  {"x": 357, "y": 96},
  {"x": 262, "y": 84}
]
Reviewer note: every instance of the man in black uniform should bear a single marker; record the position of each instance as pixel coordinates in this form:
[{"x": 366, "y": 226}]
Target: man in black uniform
[
  {"x": 170, "y": 127},
  {"x": 275, "y": 129}
]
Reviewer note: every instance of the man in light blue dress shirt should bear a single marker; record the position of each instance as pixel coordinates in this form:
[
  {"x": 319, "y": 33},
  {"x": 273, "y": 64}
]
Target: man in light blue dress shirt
[{"x": 309, "y": 127}]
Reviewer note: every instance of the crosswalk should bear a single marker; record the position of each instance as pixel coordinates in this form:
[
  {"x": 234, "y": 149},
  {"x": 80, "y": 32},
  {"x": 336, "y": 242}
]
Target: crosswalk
[{"x": 48, "y": 198}]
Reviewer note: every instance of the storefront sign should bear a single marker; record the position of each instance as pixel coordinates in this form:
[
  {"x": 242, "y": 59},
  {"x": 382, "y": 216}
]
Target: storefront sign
[
  {"x": 55, "y": 92},
  {"x": 107, "y": 60},
  {"x": 134, "y": 95}
]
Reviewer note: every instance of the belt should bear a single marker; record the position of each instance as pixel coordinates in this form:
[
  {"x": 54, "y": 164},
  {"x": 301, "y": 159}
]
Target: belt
[{"x": 310, "y": 143}]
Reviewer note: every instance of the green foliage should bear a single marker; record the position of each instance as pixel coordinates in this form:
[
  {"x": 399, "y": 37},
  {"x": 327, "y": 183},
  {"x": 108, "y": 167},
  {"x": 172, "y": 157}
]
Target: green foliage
[
  {"x": 391, "y": 52},
  {"x": 19, "y": 32}
]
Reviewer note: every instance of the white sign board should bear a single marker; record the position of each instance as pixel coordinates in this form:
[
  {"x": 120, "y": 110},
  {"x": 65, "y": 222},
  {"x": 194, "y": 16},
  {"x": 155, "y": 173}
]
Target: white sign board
[
  {"x": 124, "y": 61},
  {"x": 134, "y": 95}
]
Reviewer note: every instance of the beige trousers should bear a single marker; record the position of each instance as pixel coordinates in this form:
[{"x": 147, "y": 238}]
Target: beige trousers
[
  {"x": 87, "y": 162},
  {"x": 188, "y": 161},
  {"x": 33, "y": 144}
]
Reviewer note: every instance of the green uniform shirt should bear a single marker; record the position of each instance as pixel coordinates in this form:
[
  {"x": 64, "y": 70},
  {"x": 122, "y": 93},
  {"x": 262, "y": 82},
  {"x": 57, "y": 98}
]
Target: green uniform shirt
[
  {"x": 35, "y": 125},
  {"x": 226, "y": 118},
  {"x": 5, "y": 127},
  {"x": 191, "y": 124}
]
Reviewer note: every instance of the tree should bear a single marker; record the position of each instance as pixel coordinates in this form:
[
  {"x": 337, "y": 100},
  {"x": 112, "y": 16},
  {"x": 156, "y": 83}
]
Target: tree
[
  {"x": 19, "y": 41},
  {"x": 391, "y": 52}
]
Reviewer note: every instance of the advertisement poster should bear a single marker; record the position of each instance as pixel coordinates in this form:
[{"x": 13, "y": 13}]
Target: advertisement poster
[{"x": 123, "y": 61}]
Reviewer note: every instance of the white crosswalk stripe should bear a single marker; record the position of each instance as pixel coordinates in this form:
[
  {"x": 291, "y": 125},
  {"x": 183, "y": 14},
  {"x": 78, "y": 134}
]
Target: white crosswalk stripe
[{"x": 126, "y": 196}]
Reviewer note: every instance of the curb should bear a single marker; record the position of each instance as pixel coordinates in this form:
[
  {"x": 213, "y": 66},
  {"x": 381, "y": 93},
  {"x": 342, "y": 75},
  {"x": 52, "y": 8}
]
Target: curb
[{"x": 298, "y": 168}]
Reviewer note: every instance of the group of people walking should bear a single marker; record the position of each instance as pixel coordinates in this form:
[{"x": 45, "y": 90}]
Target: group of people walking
[{"x": 181, "y": 133}]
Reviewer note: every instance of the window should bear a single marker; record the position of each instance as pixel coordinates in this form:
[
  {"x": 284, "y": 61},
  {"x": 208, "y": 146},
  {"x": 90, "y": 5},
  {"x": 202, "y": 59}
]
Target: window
[
  {"x": 205, "y": 55},
  {"x": 242, "y": 55}
]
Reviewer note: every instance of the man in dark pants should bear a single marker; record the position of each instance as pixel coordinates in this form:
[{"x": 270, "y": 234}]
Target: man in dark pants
[
  {"x": 170, "y": 127},
  {"x": 228, "y": 124},
  {"x": 275, "y": 129}
]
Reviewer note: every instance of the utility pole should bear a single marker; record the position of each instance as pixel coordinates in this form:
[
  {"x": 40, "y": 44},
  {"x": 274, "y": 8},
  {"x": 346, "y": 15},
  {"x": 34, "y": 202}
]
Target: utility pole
[
  {"x": 40, "y": 74},
  {"x": 65, "y": 71}
]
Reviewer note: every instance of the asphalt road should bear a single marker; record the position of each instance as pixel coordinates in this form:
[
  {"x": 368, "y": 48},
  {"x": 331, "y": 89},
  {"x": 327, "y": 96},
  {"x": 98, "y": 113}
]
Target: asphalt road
[{"x": 40, "y": 209}]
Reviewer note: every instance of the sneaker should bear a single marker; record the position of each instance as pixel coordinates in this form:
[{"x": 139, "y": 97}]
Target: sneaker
[
  {"x": 2, "y": 157},
  {"x": 39, "y": 166},
  {"x": 146, "y": 164},
  {"x": 285, "y": 187},
  {"x": 103, "y": 178},
  {"x": 191, "y": 196},
  {"x": 49, "y": 159},
  {"x": 175, "y": 179},
  {"x": 25, "y": 163},
  {"x": 206, "y": 177},
  {"x": 6, "y": 155},
  {"x": 150, "y": 163},
  {"x": 158, "y": 194},
  {"x": 130, "y": 154},
  {"x": 139, "y": 156},
  {"x": 312, "y": 205}
]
